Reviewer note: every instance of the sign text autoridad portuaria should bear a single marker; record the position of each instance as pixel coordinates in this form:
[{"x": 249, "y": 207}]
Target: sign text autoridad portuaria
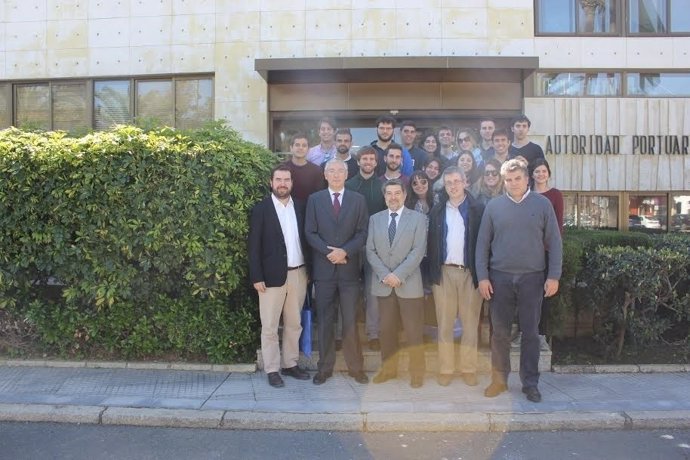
[{"x": 567, "y": 144}]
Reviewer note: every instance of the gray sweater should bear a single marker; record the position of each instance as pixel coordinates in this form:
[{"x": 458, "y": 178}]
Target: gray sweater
[{"x": 516, "y": 237}]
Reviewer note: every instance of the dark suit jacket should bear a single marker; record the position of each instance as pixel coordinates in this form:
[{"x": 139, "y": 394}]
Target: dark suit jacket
[
  {"x": 348, "y": 232},
  {"x": 436, "y": 240},
  {"x": 267, "y": 250}
]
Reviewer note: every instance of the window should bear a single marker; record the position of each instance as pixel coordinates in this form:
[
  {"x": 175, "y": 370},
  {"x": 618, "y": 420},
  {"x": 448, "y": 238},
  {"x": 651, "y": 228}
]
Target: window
[
  {"x": 5, "y": 106},
  {"x": 32, "y": 106},
  {"x": 578, "y": 84},
  {"x": 70, "y": 107},
  {"x": 112, "y": 103},
  {"x": 577, "y": 17},
  {"x": 680, "y": 214},
  {"x": 78, "y": 106},
  {"x": 155, "y": 102},
  {"x": 658, "y": 16},
  {"x": 658, "y": 84},
  {"x": 590, "y": 211},
  {"x": 647, "y": 212},
  {"x": 193, "y": 102}
]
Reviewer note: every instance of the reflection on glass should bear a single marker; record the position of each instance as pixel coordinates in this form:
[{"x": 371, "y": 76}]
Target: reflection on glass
[
  {"x": 596, "y": 16},
  {"x": 680, "y": 16},
  {"x": 193, "y": 102},
  {"x": 33, "y": 107},
  {"x": 569, "y": 210},
  {"x": 5, "y": 106},
  {"x": 556, "y": 16},
  {"x": 680, "y": 214},
  {"x": 598, "y": 211},
  {"x": 647, "y": 212},
  {"x": 579, "y": 84},
  {"x": 155, "y": 102},
  {"x": 111, "y": 103},
  {"x": 658, "y": 84},
  {"x": 70, "y": 107},
  {"x": 648, "y": 16}
]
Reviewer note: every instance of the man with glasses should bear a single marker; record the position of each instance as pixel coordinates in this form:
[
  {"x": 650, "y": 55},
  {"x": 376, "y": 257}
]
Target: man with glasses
[
  {"x": 453, "y": 229},
  {"x": 515, "y": 231}
]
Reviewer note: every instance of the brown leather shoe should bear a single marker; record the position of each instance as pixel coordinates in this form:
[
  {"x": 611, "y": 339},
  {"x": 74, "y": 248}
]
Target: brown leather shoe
[
  {"x": 321, "y": 377},
  {"x": 495, "y": 389},
  {"x": 360, "y": 377},
  {"x": 416, "y": 381},
  {"x": 384, "y": 376}
]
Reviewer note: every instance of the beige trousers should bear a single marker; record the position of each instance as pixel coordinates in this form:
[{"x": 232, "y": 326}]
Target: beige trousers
[
  {"x": 285, "y": 300},
  {"x": 457, "y": 296}
]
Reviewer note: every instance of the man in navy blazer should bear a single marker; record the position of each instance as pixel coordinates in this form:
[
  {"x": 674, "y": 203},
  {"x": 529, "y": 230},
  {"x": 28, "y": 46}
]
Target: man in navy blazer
[
  {"x": 336, "y": 229},
  {"x": 277, "y": 269}
]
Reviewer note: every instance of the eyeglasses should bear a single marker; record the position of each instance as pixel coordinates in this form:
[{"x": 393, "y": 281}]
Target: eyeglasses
[
  {"x": 419, "y": 182},
  {"x": 491, "y": 173}
]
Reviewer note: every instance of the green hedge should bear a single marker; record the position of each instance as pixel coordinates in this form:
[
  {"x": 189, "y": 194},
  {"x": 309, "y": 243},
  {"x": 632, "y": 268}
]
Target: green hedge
[
  {"x": 128, "y": 242},
  {"x": 637, "y": 286}
]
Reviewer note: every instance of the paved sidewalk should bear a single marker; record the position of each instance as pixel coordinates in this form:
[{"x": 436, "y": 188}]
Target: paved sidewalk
[{"x": 245, "y": 401}]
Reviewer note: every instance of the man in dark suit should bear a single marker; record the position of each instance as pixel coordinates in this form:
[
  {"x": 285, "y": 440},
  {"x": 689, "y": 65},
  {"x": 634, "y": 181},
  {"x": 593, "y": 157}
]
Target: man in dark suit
[
  {"x": 336, "y": 229},
  {"x": 396, "y": 243},
  {"x": 277, "y": 257}
]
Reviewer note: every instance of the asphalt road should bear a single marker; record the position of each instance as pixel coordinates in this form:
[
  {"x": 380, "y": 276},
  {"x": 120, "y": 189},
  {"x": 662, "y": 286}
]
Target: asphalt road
[{"x": 20, "y": 441}]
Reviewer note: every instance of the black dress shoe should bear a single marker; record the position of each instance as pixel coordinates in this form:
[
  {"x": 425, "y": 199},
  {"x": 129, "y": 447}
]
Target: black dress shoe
[
  {"x": 416, "y": 381},
  {"x": 295, "y": 372},
  {"x": 532, "y": 394},
  {"x": 383, "y": 376},
  {"x": 360, "y": 377},
  {"x": 275, "y": 380},
  {"x": 321, "y": 377}
]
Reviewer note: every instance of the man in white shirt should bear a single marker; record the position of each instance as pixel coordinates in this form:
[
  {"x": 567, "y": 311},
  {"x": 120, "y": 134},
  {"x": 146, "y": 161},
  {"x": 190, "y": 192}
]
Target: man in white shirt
[{"x": 277, "y": 269}]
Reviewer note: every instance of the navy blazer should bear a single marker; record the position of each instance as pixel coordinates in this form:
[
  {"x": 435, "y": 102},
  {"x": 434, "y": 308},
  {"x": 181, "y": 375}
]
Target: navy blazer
[
  {"x": 436, "y": 241},
  {"x": 267, "y": 250},
  {"x": 348, "y": 232}
]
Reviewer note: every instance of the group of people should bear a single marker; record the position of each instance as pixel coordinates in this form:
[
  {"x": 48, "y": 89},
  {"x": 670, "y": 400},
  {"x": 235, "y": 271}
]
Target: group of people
[{"x": 490, "y": 231}]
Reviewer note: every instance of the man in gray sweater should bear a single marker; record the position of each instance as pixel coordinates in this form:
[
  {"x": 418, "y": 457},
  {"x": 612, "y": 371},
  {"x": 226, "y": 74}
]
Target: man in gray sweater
[{"x": 517, "y": 232}]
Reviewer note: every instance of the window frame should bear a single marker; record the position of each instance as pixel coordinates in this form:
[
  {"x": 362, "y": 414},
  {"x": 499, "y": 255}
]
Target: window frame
[
  {"x": 89, "y": 87},
  {"x": 622, "y": 18},
  {"x": 618, "y": 17},
  {"x": 624, "y": 73}
]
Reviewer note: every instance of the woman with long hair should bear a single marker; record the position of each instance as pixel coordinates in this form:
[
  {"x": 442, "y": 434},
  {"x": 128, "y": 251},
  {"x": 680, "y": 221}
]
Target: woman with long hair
[
  {"x": 466, "y": 141},
  {"x": 541, "y": 175},
  {"x": 420, "y": 195},
  {"x": 491, "y": 184},
  {"x": 468, "y": 164}
]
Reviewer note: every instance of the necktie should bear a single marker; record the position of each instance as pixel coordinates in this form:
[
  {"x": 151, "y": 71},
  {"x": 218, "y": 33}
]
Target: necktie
[
  {"x": 336, "y": 204},
  {"x": 392, "y": 227}
]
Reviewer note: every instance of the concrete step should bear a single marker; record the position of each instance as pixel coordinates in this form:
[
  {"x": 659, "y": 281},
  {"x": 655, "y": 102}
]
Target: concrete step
[{"x": 372, "y": 359}]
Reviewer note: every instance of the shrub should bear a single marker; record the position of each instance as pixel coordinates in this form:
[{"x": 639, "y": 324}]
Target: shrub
[
  {"x": 129, "y": 241},
  {"x": 634, "y": 292}
]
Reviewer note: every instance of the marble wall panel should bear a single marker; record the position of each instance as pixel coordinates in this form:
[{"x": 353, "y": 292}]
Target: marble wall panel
[
  {"x": 108, "y": 9},
  {"x": 67, "y": 34},
  {"x": 57, "y": 10}
]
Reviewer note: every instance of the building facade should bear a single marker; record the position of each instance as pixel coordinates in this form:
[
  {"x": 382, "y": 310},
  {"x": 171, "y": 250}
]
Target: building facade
[{"x": 606, "y": 83}]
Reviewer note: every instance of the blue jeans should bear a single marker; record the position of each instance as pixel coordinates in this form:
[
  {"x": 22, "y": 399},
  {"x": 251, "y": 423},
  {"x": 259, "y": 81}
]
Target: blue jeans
[{"x": 524, "y": 293}]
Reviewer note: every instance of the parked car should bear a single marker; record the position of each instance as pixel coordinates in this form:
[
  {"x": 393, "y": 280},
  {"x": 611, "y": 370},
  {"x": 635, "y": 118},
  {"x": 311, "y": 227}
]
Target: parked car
[
  {"x": 680, "y": 223},
  {"x": 635, "y": 221}
]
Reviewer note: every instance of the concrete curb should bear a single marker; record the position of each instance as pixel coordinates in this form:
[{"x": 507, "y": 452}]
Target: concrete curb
[
  {"x": 247, "y": 368},
  {"x": 50, "y": 413},
  {"x": 619, "y": 368},
  {"x": 351, "y": 422}
]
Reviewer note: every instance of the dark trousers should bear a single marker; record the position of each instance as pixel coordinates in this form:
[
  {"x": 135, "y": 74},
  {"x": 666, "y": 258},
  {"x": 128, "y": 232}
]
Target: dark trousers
[
  {"x": 327, "y": 292},
  {"x": 392, "y": 309},
  {"x": 524, "y": 293}
]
